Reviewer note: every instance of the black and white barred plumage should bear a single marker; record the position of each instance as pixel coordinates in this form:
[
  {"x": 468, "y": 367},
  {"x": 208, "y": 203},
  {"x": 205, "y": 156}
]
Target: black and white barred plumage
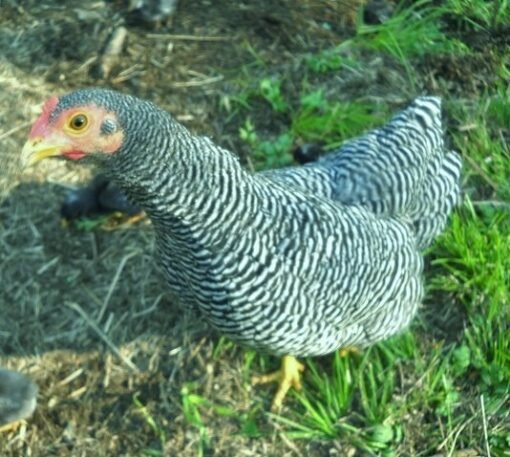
[
  {"x": 298, "y": 261},
  {"x": 401, "y": 169}
]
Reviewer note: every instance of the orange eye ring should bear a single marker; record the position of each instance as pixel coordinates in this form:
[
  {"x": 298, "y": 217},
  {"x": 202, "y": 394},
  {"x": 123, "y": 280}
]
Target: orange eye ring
[{"x": 78, "y": 122}]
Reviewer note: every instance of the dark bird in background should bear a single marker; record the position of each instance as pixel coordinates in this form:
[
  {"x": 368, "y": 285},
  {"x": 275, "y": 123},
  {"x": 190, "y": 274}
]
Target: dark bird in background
[
  {"x": 307, "y": 152},
  {"x": 151, "y": 12},
  {"x": 18, "y": 398},
  {"x": 297, "y": 262},
  {"x": 100, "y": 196}
]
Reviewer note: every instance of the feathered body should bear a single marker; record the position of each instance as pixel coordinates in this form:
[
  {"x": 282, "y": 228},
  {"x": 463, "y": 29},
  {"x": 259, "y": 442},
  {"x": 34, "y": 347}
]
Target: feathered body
[
  {"x": 299, "y": 261},
  {"x": 18, "y": 396},
  {"x": 399, "y": 170}
]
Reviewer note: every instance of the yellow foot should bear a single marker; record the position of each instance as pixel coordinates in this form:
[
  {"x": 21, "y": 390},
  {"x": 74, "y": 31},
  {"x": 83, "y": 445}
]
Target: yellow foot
[
  {"x": 131, "y": 220},
  {"x": 344, "y": 352},
  {"x": 11, "y": 426},
  {"x": 287, "y": 376},
  {"x": 118, "y": 220}
]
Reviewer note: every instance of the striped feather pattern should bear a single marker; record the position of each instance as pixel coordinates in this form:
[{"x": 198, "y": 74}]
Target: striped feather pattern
[
  {"x": 300, "y": 261},
  {"x": 401, "y": 169}
]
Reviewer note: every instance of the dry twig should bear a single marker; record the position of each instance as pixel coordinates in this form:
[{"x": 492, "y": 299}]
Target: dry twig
[
  {"x": 102, "y": 335},
  {"x": 170, "y": 36}
]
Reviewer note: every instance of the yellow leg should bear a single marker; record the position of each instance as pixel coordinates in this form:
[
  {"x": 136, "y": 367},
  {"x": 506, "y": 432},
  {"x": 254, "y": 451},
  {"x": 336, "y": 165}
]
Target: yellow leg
[
  {"x": 344, "y": 352},
  {"x": 118, "y": 220},
  {"x": 287, "y": 376},
  {"x": 136, "y": 218},
  {"x": 11, "y": 426}
]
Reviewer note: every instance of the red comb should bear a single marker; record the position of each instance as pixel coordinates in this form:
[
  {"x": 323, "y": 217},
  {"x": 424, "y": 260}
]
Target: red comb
[{"x": 40, "y": 126}]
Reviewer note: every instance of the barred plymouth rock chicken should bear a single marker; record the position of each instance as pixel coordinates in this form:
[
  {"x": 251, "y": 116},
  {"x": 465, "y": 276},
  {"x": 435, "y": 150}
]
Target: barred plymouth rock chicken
[{"x": 299, "y": 261}]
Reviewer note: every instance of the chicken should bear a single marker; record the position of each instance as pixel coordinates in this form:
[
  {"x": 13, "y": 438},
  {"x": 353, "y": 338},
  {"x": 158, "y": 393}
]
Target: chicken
[
  {"x": 307, "y": 152},
  {"x": 151, "y": 12},
  {"x": 100, "y": 196},
  {"x": 18, "y": 398},
  {"x": 295, "y": 262}
]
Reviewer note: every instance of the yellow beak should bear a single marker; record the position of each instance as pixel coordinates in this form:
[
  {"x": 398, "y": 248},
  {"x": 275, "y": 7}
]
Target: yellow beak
[{"x": 37, "y": 149}]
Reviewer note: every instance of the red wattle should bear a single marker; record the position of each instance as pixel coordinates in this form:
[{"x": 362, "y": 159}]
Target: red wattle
[{"x": 74, "y": 155}]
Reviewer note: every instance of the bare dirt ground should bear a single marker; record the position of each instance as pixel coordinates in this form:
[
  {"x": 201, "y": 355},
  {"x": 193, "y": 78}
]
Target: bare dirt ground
[{"x": 70, "y": 299}]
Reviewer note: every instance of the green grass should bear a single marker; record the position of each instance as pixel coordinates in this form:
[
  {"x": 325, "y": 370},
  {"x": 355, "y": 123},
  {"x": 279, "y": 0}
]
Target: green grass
[
  {"x": 153, "y": 425},
  {"x": 425, "y": 392},
  {"x": 483, "y": 141},
  {"x": 477, "y": 266},
  {"x": 194, "y": 407},
  {"x": 481, "y": 15},
  {"x": 314, "y": 118},
  {"x": 414, "y": 31},
  {"x": 318, "y": 119}
]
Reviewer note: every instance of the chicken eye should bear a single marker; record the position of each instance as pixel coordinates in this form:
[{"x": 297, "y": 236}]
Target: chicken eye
[{"x": 78, "y": 122}]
